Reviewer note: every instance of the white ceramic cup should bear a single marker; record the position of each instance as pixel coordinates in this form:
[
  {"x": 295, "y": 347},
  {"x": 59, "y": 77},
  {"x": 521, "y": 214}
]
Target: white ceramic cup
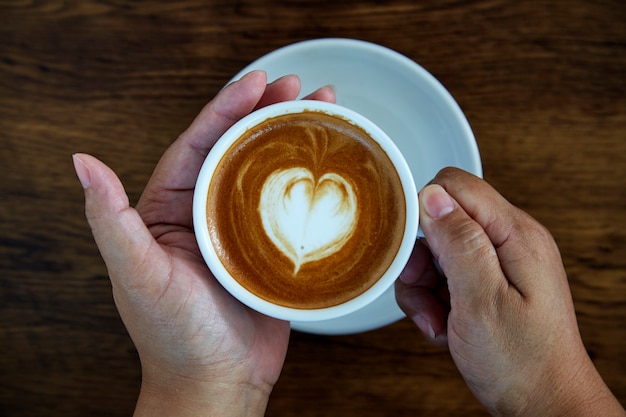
[{"x": 247, "y": 297}]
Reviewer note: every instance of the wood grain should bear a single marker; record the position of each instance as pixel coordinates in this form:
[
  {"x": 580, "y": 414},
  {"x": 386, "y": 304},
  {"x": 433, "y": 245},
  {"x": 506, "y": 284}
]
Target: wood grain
[{"x": 541, "y": 82}]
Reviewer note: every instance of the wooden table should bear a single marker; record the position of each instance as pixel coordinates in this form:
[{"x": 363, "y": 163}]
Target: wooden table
[{"x": 541, "y": 82}]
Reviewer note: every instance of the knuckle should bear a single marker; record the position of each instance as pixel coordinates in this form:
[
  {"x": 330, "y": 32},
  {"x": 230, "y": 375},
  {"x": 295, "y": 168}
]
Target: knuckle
[
  {"x": 534, "y": 236},
  {"x": 469, "y": 241},
  {"x": 449, "y": 174}
]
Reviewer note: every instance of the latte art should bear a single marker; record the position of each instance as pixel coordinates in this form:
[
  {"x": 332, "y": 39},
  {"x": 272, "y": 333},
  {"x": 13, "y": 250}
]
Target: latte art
[
  {"x": 306, "y": 210},
  {"x": 306, "y": 219}
]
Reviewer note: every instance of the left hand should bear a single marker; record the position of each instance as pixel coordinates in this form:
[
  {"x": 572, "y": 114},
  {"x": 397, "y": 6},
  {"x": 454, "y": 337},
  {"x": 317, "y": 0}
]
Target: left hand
[{"x": 200, "y": 349}]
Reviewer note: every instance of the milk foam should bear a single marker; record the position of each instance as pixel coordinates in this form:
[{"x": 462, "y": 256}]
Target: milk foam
[
  {"x": 306, "y": 210},
  {"x": 307, "y": 220}
]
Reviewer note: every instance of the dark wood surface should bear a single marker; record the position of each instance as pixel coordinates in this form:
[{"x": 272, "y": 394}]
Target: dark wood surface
[{"x": 541, "y": 82}]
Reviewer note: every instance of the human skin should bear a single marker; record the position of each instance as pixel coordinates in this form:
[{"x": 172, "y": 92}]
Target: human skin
[
  {"x": 201, "y": 351},
  {"x": 489, "y": 283}
]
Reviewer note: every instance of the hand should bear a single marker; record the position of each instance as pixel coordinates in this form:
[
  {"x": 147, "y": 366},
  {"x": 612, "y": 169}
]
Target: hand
[
  {"x": 200, "y": 349},
  {"x": 489, "y": 283}
]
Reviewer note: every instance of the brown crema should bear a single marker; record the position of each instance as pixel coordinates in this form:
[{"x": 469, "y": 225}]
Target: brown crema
[{"x": 325, "y": 146}]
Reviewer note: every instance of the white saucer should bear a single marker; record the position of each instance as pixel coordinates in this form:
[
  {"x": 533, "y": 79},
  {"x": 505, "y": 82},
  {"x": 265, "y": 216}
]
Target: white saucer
[{"x": 403, "y": 99}]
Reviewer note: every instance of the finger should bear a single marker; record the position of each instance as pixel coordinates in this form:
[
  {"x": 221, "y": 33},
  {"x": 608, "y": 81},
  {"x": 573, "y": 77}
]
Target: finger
[
  {"x": 418, "y": 294},
  {"x": 232, "y": 103},
  {"x": 523, "y": 247},
  {"x": 122, "y": 238},
  {"x": 186, "y": 155},
  {"x": 462, "y": 248},
  {"x": 173, "y": 193},
  {"x": 326, "y": 93},
  {"x": 416, "y": 265},
  {"x": 426, "y": 311},
  {"x": 282, "y": 89},
  {"x": 287, "y": 88}
]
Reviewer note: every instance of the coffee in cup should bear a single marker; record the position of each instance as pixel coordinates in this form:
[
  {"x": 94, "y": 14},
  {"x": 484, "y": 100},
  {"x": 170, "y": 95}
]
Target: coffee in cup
[{"x": 305, "y": 209}]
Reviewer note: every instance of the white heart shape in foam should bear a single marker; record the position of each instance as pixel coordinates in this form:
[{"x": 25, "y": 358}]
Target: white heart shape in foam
[{"x": 305, "y": 219}]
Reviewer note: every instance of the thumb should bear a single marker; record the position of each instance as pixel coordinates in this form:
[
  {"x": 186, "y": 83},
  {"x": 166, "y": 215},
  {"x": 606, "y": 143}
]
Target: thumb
[
  {"x": 461, "y": 246},
  {"x": 123, "y": 239}
]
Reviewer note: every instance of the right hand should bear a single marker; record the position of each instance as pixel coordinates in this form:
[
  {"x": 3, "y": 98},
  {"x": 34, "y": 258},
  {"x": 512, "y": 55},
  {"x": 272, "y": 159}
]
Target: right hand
[{"x": 490, "y": 284}]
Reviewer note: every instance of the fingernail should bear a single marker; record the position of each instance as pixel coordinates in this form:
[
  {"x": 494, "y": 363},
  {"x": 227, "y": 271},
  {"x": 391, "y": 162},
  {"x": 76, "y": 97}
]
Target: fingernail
[
  {"x": 247, "y": 75},
  {"x": 424, "y": 325},
  {"x": 252, "y": 74},
  {"x": 81, "y": 171},
  {"x": 284, "y": 77},
  {"x": 437, "y": 203}
]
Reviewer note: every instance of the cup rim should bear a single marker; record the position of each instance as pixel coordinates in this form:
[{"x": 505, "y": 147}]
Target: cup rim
[{"x": 239, "y": 291}]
